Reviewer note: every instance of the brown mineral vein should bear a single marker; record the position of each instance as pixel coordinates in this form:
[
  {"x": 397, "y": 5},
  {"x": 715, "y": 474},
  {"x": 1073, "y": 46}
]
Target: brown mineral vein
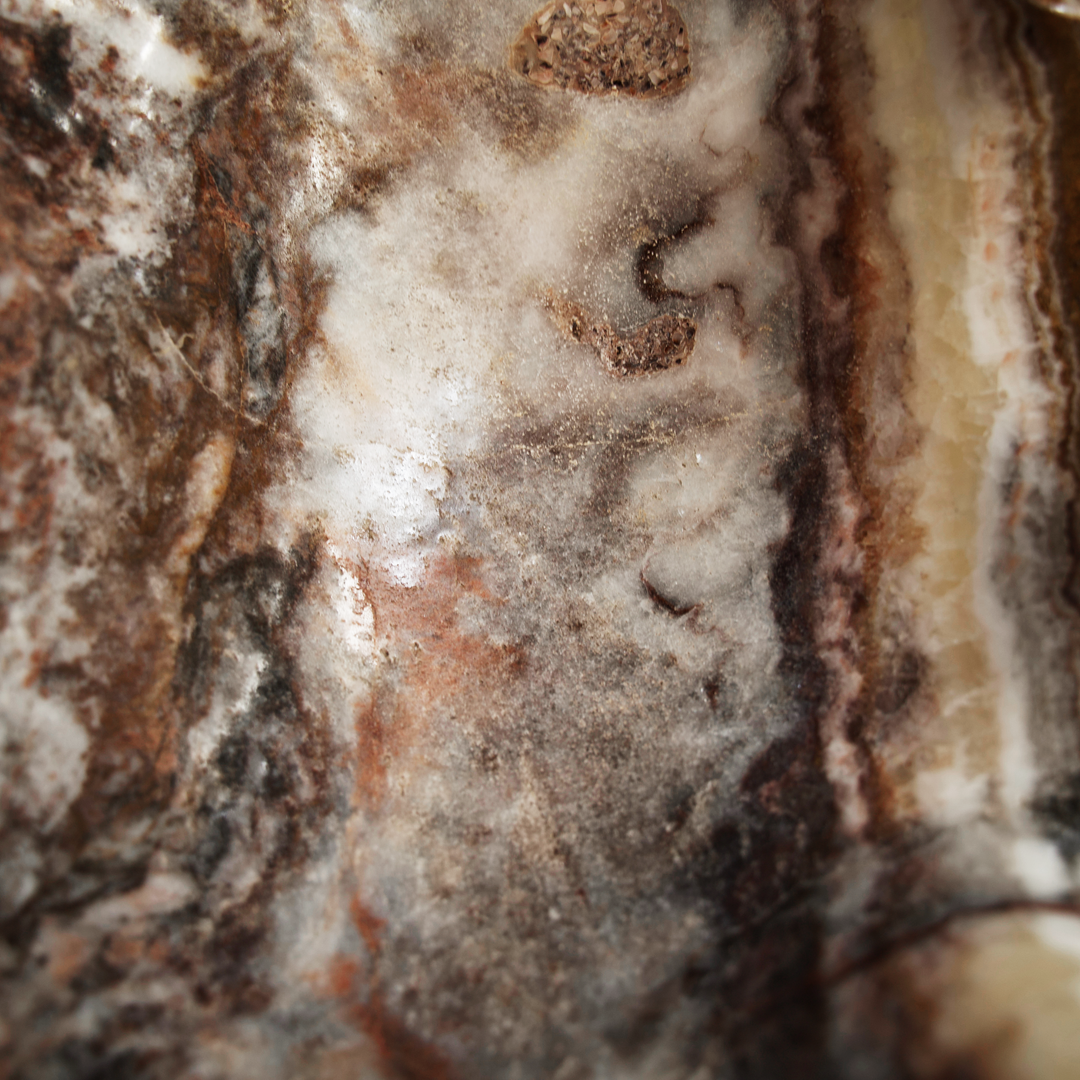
[{"x": 176, "y": 348}]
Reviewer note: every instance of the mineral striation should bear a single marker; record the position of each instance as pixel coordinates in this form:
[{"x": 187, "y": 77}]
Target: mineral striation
[{"x": 539, "y": 544}]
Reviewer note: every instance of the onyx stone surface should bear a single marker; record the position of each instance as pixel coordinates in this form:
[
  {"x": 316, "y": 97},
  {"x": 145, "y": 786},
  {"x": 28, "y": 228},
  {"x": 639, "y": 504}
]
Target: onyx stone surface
[{"x": 539, "y": 543}]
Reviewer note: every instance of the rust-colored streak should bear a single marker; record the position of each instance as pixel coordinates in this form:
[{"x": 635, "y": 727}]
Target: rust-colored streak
[
  {"x": 210, "y": 192},
  {"x": 368, "y": 925},
  {"x": 370, "y": 783},
  {"x": 169, "y": 363},
  {"x": 440, "y": 667},
  {"x": 402, "y": 1054},
  {"x": 341, "y": 977}
]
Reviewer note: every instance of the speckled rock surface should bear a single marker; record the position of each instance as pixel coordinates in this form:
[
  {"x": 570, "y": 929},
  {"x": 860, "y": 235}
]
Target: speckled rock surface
[{"x": 539, "y": 555}]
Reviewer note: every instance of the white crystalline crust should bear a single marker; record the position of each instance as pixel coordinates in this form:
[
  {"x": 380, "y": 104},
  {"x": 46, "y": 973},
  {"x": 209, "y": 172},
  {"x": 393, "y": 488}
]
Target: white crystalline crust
[{"x": 138, "y": 34}]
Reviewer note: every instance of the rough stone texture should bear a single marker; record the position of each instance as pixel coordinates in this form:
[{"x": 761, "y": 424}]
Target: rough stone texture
[
  {"x": 538, "y": 577},
  {"x": 606, "y": 47}
]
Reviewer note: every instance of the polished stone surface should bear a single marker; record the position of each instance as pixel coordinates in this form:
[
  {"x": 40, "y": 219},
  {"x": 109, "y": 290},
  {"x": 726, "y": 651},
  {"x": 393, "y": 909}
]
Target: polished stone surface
[{"x": 539, "y": 542}]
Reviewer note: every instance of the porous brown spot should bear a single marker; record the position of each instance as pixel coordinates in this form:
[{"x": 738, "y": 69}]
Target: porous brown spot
[
  {"x": 663, "y": 342},
  {"x": 638, "y": 47}
]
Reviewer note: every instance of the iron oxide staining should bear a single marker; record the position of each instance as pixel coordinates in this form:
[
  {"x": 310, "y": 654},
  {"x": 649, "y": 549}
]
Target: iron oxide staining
[
  {"x": 663, "y": 342},
  {"x": 637, "y": 47}
]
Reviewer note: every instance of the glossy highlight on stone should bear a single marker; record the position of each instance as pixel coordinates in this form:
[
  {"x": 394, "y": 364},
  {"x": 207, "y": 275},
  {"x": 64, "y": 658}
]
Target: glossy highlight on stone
[{"x": 513, "y": 567}]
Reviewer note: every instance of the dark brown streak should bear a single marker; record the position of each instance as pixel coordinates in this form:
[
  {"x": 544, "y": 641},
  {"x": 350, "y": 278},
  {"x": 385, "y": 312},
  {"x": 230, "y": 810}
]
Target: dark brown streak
[
  {"x": 909, "y": 939},
  {"x": 223, "y": 208},
  {"x": 649, "y": 257},
  {"x": 1057, "y": 43},
  {"x": 838, "y": 386},
  {"x": 661, "y": 601}
]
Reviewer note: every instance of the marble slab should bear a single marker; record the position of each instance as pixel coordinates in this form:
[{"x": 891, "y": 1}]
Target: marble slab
[{"x": 539, "y": 542}]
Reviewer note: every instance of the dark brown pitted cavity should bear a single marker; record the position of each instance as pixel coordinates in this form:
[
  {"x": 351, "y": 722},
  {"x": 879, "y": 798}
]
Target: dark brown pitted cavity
[
  {"x": 673, "y": 607},
  {"x": 638, "y": 47},
  {"x": 662, "y": 342}
]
